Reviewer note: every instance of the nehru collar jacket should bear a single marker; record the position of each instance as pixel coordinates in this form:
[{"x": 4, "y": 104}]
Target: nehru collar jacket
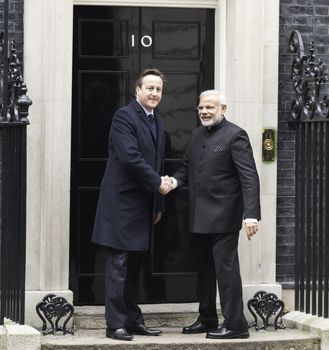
[{"x": 220, "y": 172}]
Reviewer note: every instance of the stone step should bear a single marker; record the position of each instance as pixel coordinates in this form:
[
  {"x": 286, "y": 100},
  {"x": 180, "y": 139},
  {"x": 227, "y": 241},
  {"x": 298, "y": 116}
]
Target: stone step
[
  {"x": 173, "y": 339},
  {"x": 156, "y": 315}
]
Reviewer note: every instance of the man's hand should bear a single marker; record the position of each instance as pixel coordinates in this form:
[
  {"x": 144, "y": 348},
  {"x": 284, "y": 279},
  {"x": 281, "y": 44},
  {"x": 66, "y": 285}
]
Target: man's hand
[
  {"x": 251, "y": 229},
  {"x": 157, "y": 217},
  {"x": 166, "y": 185}
]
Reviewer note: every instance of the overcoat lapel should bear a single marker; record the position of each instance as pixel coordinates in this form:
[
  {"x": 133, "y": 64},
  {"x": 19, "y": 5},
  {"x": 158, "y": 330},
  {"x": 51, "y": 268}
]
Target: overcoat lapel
[{"x": 144, "y": 119}]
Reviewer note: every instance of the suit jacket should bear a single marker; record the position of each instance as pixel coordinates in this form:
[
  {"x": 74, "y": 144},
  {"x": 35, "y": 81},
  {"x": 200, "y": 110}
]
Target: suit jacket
[
  {"x": 220, "y": 171},
  {"x": 129, "y": 190}
]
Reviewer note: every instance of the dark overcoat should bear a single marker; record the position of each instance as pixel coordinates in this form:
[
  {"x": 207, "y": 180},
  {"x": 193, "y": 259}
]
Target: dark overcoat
[
  {"x": 220, "y": 171},
  {"x": 129, "y": 190}
]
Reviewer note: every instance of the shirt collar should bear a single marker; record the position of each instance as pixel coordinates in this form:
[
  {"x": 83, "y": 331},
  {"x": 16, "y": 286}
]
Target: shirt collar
[{"x": 147, "y": 112}]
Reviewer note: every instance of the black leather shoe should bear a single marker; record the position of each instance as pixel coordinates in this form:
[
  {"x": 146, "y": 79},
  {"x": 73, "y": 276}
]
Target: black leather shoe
[
  {"x": 224, "y": 333},
  {"x": 197, "y": 327},
  {"x": 141, "y": 329},
  {"x": 119, "y": 334}
]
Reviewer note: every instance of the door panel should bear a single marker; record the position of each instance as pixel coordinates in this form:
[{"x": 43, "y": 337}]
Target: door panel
[
  {"x": 111, "y": 46},
  {"x": 186, "y": 43},
  {"x": 104, "y": 38},
  {"x": 99, "y": 98},
  {"x": 179, "y": 111},
  {"x": 102, "y": 75}
]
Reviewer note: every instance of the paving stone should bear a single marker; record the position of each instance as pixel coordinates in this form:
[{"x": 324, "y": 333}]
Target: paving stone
[{"x": 173, "y": 339}]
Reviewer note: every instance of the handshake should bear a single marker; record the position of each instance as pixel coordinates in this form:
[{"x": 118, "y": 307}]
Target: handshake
[{"x": 167, "y": 185}]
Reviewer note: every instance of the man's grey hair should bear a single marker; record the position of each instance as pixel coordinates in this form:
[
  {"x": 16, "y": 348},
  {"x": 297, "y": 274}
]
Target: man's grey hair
[{"x": 221, "y": 98}]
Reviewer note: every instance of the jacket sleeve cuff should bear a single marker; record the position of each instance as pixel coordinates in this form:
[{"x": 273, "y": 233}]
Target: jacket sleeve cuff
[
  {"x": 250, "y": 220},
  {"x": 174, "y": 182}
]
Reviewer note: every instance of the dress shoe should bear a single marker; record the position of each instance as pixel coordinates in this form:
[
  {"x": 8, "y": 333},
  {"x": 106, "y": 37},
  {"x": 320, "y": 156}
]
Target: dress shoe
[
  {"x": 224, "y": 333},
  {"x": 197, "y": 327},
  {"x": 141, "y": 329},
  {"x": 119, "y": 334}
]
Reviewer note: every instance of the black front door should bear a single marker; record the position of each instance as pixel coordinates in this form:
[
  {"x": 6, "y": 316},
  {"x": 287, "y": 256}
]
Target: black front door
[{"x": 111, "y": 46}]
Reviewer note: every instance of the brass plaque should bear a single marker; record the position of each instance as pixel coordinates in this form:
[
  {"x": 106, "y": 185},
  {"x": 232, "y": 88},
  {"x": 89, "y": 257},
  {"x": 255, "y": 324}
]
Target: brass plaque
[{"x": 268, "y": 147}]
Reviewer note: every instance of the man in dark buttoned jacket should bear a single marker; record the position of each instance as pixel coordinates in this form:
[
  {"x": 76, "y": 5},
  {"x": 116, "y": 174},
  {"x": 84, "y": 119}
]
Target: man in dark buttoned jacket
[
  {"x": 220, "y": 171},
  {"x": 129, "y": 203}
]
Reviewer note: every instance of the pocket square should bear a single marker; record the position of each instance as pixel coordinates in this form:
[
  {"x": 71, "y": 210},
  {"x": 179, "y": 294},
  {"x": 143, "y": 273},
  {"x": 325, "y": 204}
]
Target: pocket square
[{"x": 220, "y": 148}]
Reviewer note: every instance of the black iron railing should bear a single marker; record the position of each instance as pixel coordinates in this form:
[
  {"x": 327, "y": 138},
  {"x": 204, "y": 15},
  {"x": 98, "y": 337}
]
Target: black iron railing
[
  {"x": 310, "y": 114},
  {"x": 13, "y": 122}
]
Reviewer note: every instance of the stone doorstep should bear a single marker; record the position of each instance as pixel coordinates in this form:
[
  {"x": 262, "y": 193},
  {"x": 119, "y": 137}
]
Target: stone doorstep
[
  {"x": 90, "y": 333},
  {"x": 318, "y": 326},
  {"x": 3, "y": 338},
  {"x": 173, "y": 339},
  {"x": 19, "y": 337},
  {"x": 156, "y": 315}
]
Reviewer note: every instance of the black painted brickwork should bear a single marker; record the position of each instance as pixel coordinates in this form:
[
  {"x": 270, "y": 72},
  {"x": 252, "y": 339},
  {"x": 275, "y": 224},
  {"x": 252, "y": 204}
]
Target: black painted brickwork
[
  {"x": 15, "y": 27},
  {"x": 311, "y": 18}
]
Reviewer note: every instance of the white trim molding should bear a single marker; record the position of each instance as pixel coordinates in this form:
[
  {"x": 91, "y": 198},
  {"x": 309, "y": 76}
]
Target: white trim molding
[
  {"x": 151, "y": 3},
  {"x": 220, "y": 46}
]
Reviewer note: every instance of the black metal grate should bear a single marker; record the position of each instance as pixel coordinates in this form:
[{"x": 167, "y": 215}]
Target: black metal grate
[
  {"x": 310, "y": 111},
  {"x": 12, "y": 229},
  {"x": 312, "y": 217},
  {"x": 13, "y": 122}
]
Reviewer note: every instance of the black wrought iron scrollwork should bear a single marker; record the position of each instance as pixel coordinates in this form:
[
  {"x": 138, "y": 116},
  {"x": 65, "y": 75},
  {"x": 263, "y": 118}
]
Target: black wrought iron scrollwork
[
  {"x": 267, "y": 306},
  {"x": 308, "y": 75},
  {"x": 17, "y": 103},
  {"x": 53, "y": 308}
]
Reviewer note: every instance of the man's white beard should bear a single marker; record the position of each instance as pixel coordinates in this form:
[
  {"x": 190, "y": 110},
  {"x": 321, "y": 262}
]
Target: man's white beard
[{"x": 213, "y": 121}]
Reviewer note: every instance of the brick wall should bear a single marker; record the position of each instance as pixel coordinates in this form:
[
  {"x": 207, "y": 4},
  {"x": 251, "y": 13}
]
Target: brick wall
[
  {"x": 15, "y": 23},
  {"x": 311, "y": 18}
]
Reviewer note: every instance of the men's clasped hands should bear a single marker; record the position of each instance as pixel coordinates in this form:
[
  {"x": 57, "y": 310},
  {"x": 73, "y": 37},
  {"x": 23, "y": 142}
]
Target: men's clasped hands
[{"x": 166, "y": 185}]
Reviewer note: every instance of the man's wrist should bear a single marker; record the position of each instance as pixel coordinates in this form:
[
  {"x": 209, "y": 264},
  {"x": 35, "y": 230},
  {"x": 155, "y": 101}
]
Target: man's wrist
[{"x": 174, "y": 182}]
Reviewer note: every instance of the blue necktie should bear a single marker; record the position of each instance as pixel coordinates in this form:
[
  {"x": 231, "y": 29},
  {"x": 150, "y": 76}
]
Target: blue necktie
[{"x": 152, "y": 125}]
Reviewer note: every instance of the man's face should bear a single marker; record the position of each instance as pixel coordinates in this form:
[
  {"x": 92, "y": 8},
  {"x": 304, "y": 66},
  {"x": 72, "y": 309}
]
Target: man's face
[
  {"x": 209, "y": 110},
  {"x": 150, "y": 93}
]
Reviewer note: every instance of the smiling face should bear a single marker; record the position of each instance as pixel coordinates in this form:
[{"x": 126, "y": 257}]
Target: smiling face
[
  {"x": 210, "y": 110},
  {"x": 150, "y": 92}
]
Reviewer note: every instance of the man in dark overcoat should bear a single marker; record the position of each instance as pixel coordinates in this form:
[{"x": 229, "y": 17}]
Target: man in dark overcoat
[
  {"x": 129, "y": 203},
  {"x": 220, "y": 171}
]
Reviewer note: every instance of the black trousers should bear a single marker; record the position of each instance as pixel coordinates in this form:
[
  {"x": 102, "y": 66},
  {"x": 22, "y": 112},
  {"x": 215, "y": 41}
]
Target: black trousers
[
  {"x": 121, "y": 289},
  {"x": 218, "y": 259}
]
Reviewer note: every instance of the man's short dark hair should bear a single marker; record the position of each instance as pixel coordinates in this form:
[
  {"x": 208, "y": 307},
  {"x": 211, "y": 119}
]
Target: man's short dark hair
[{"x": 149, "y": 71}]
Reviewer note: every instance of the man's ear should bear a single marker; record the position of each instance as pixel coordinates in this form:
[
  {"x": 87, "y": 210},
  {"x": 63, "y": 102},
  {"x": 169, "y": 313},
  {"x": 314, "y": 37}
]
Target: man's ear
[{"x": 224, "y": 108}]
